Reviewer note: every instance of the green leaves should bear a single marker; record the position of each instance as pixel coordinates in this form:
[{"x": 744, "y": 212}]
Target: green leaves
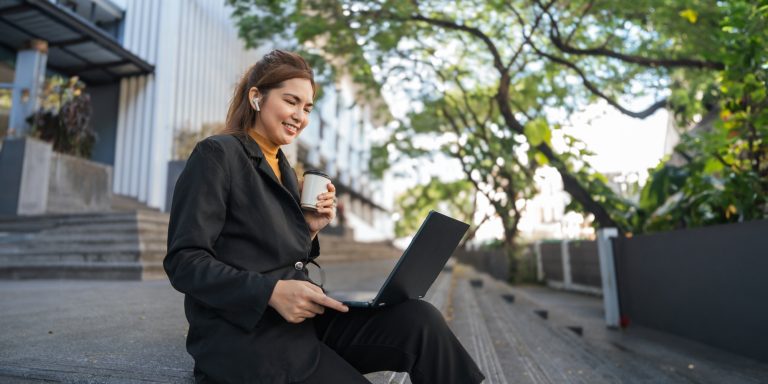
[
  {"x": 456, "y": 198},
  {"x": 537, "y": 131}
]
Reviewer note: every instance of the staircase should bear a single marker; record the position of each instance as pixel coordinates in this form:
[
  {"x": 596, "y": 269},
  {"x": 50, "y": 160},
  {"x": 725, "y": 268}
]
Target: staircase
[
  {"x": 128, "y": 243},
  {"x": 343, "y": 247},
  {"x": 104, "y": 246}
]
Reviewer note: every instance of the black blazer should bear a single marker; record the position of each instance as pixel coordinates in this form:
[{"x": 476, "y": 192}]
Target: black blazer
[{"x": 231, "y": 221}]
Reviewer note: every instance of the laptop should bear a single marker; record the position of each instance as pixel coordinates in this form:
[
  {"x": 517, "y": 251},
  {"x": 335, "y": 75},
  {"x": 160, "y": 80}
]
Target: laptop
[{"x": 418, "y": 267}]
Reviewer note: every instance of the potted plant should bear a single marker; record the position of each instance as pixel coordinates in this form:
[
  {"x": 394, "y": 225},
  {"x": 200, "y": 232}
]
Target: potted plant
[{"x": 64, "y": 117}]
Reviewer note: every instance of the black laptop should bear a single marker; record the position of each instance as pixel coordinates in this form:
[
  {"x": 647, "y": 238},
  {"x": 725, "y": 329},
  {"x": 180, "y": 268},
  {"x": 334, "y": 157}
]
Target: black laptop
[{"x": 418, "y": 267}]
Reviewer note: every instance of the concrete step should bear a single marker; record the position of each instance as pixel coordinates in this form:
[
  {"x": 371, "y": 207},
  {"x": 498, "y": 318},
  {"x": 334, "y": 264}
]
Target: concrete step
[
  {"x": 336, "y": 248},
  {"x": 69, "y": 257},
  {"x": 79, "y": 255},
  {"x": 42, "y": 240},
  {"x": 86, "y": 224},
  {"x": 359, "y": 248},
  {"x": 31, "y": 248},
  {"x": 471, "y": 328},
  {"x": 90, "y": 271},
  {"x": 129, "y": 203},
  {"x": 143, "y": 270},
  {"x": 341, "y": 257},
  {"x": 82, "y": 217}
]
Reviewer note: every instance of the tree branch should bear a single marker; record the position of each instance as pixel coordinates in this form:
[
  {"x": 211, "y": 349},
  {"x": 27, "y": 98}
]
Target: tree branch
[
  {"x": 639, "y": 60},
  {"x": 497, "y": 62},
  {"x": 597, "y": 92},
  {"x": 578, "y": 22},
  {"x": 564, "y": 46}
]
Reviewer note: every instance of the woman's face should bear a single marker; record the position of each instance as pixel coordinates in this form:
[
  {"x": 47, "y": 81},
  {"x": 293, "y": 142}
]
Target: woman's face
[{"x": 285, "y": 113}]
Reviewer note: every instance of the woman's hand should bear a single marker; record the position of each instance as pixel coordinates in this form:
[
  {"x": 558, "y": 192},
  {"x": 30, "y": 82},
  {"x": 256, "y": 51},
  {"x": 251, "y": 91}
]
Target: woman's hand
[
  {"x": 298, "y": 300},
  {"x": 326, "y": 210}
]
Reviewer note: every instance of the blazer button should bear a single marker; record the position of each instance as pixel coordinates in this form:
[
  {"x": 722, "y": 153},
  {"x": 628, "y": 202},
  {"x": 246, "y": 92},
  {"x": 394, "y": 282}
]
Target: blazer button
[{"x": 299, "y": 265}]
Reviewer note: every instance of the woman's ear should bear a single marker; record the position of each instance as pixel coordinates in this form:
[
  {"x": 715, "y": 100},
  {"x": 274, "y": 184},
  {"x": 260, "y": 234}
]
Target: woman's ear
[{"x": 254, "y": 97}]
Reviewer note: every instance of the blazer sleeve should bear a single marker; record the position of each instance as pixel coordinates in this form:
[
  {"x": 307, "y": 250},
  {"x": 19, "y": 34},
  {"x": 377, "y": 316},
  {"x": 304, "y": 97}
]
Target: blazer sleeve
[{"x": 198, "y": 212}]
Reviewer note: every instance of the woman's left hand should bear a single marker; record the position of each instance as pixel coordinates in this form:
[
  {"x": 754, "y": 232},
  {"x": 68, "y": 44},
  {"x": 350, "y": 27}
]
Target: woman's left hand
[{"x": 326, "y": 211}]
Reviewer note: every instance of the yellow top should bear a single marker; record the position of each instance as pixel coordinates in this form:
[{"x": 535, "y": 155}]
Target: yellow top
[{"x": 270, "y": 152}]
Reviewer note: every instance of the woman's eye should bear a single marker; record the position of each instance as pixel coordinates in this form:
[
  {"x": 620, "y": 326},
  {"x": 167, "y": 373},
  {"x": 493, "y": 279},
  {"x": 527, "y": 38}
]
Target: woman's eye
[
  {"x": 307, "y": 110},
  {"x": 291, "y": 102}
]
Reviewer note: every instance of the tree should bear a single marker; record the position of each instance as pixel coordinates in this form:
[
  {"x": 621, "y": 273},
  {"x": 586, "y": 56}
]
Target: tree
[
  {"x": 457, "y": 198},
  {"x": 723, "y": 172},
  {"x": 493, "y": 73}
]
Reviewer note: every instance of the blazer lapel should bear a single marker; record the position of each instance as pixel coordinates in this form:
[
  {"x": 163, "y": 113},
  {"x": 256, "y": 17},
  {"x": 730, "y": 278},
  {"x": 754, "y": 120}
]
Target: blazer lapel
[
  {"x": 289, "y": 183},
  {"x": 289, "y": 176}
]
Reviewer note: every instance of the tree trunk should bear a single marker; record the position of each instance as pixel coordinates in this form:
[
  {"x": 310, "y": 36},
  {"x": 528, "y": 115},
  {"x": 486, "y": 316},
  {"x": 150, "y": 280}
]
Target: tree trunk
[{"x": 570, "y": 183}]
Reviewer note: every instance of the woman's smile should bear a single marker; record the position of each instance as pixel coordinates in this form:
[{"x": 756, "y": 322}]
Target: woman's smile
[{"x": 292, "y": 129}]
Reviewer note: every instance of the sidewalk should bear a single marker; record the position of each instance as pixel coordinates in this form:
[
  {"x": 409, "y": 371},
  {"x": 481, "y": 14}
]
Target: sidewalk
[{"x": 134, "y": 332}]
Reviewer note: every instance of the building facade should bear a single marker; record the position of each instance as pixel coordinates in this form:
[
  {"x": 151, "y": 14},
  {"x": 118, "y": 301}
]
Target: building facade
[{"x": 155, "y": 69}]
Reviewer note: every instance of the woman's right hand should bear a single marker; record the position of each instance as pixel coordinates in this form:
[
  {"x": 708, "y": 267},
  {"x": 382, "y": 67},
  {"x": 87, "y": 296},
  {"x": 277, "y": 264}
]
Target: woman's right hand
[{"x": 297, "y": 300}]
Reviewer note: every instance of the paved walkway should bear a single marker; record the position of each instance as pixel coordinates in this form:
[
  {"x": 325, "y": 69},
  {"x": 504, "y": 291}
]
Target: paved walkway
[
  {"x": 542, "y": 335},
  {"x": 133, "y": 332}
]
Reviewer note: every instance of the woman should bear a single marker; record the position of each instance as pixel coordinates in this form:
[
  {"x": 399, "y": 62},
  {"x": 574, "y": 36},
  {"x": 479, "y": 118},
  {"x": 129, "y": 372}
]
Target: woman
[{"x": 238, "y": 246}]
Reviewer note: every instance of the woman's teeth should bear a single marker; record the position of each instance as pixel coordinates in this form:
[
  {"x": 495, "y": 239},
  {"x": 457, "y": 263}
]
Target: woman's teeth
[{"x": 291, "y": 128}]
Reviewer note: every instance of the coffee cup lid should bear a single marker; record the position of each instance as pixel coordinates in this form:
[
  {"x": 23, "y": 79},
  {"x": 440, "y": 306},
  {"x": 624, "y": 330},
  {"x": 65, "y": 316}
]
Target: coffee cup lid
[{"x": 316, "y": 172}]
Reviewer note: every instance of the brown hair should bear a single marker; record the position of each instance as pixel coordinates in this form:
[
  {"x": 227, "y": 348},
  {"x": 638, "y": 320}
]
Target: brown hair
[{"x": 268, "y": 73}]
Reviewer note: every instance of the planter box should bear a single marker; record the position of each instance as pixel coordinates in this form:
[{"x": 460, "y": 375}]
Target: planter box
[{"x": 38, "y": 181}]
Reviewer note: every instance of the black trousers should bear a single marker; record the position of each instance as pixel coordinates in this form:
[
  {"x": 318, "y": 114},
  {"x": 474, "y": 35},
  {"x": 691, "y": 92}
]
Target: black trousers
[{"x": 409, "y": 337}]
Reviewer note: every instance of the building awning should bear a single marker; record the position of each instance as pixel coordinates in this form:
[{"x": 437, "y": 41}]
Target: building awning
[{"x": 76, "y": 47}]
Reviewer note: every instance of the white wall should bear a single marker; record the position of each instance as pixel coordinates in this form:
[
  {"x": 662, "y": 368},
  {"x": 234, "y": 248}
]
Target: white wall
[{"x": 198, "y": 60}]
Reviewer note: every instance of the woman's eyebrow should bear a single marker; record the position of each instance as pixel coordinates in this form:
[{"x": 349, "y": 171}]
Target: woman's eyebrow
[{"x": 297, "y": 98}]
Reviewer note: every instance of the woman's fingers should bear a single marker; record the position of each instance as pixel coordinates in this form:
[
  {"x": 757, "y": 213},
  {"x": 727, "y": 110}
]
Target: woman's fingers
[
  {"x": 333, "y": 304},
  {"x": 328, "y": 196},
  {"x": 315, "y": 309},
  {"x": 319, "y": 299}
]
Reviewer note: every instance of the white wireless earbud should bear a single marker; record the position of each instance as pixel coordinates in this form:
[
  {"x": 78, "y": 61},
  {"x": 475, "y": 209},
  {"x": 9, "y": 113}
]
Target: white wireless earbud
[{"x": 256, "y": 104}]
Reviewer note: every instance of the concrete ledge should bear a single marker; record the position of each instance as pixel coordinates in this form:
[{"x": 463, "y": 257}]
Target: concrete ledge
[{"x": 37, "y": 181}]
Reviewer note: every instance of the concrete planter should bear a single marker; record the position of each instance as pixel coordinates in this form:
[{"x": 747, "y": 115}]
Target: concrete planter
[{"x": 36, "y": 181}]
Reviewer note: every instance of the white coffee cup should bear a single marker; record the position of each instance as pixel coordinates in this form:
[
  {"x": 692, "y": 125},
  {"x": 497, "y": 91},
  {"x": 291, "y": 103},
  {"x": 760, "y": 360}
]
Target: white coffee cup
[{"x": 315, "y": 183}]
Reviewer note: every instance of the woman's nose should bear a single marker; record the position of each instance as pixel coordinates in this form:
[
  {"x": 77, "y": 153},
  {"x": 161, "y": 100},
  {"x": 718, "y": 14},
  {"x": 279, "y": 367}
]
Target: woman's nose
[{"x": 298, "y": 115}]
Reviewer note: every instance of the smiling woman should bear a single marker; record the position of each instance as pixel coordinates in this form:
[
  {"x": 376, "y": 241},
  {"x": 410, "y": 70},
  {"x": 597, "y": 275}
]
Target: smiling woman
[{"x": 238, "y": 246}]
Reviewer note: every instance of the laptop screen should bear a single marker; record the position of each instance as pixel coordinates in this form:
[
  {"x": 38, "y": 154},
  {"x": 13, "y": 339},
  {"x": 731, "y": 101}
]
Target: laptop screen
[{"x": 422, "y": 261}]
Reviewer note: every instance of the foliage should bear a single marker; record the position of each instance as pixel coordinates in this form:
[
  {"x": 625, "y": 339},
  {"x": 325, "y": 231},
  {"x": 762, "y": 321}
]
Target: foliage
[
  {"x": 64, "y": 117},
  {"x": 456, "y": 199},
  {"x": 489, "y": 75},
  {"x": 721, "y": 175}
]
